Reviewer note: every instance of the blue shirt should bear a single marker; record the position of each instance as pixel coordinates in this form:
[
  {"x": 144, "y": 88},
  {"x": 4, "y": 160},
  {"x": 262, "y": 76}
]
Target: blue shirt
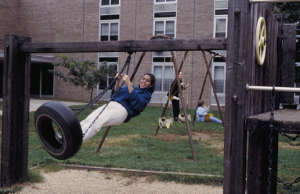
[
  {"x": 200, "y": 113},
  {"x": 134, "y": 102}
]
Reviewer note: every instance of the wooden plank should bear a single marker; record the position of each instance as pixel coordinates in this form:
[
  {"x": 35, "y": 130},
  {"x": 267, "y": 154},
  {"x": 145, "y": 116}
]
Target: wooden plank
[
  {"x": 237, "y": 67},
  {"x": 288, "y": 61},
  {"x": 16, "y": 97},
  {"x": 258, "y": 162},
  {"x": 126, "y": 46},
  {"x": 288, "y": 119}
]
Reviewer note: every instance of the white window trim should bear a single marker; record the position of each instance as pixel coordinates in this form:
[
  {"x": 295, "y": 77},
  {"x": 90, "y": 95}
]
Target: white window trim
[
  {"x": 221, "y": 64},
  {"x": 165, "y": 2},
  {"x": 215, "y": 24},
  {"x": 109, "y": 22},
  {"x": 164, "y": 20},
  {"x": 110, "y": 4},
  {"x": 161, "y": 64}
]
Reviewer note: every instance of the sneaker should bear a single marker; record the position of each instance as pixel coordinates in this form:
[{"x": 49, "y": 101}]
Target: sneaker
[{"x": 176, "y": 119}]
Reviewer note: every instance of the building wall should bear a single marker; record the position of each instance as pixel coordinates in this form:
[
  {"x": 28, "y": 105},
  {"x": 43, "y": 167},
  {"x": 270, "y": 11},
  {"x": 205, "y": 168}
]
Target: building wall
[
  {"x": 9, "y": 16},
  {"x": 78, "y": 20}
]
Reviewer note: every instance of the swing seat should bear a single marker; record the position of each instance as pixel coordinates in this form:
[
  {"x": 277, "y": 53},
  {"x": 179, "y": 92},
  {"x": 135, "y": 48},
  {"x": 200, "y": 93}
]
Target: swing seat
[
  {"x": 181, "y": 118},
  {"x": 58, "y": 129},
  {"x": 165, "y": 122},
  {"x": 207, "y": 119}
]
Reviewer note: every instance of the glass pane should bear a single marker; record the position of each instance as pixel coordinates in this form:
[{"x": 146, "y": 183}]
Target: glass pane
[
  {"x": 113, "y": 38},
  {"x": 158, "y": 77},
  {"x": 115, "y": 2},
  {"x": 221, "y": 25},
  {"x": 104, "y": 29},
  {"x": 105, "y": 2},
  {"x": 219, "y": 72},
  {"x": 220, "y": 34},
  {"x": 104, "y": 38},
  {"x": 112, "y": 70},
  {"x": 111, "y": 80},
  {"x": 168, "y": 78},
  {"x": 170, "y": 35},
  {"x": 219, "y": 85},
  {"x": 114, "y": 29},
  {"x": 103, "y": 84},
  {"x": 159, "y": 26},
  {"x": 170, "y": 27},
  {"x": 171, "y": 0},
  {"x": 160, "y": 0}
]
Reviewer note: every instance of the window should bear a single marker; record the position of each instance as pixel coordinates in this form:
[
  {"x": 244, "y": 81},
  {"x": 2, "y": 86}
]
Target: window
[
  {"x": 163, "y": 71},
  {"x": 109, "y": 31},
  {"x": 220, "y": 20},
  {"x": 110, "y": 2},
  {"x": 219, "y": 75},
  {"x": 220, "y": 27},
  {"x": 109, "y": 67},
  {"x": 159, "y": 1},
  {"x": 166, "y": 27}
]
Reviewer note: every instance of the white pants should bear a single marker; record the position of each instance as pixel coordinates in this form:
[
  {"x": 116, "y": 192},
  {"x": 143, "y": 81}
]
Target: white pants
[{"x": 113, "y": 114}]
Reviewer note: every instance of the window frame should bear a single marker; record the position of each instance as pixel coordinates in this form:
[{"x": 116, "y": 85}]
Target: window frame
[
  {"x": 162, "y": 65},
  {"x": 110, "y": 5},
  {"x": 218, "y": 64},
  {"x": 215, "y": 25},
  {"x": 109, "y": 22},
  {"x": 164, "y": 20},
  {"x": 165, "y": 1}
]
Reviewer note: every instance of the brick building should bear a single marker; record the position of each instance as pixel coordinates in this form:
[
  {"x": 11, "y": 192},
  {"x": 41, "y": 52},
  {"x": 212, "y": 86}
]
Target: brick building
[{"x": 113, "y": 20}]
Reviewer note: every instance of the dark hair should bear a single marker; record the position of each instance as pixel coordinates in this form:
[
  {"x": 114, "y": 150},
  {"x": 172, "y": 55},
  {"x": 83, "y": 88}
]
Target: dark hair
[
  {"x": 152, "y": 81},
  {"x": 200, "y": 102}
]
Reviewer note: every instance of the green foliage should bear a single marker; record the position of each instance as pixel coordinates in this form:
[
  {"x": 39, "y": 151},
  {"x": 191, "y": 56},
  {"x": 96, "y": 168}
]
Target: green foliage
[{"x": 83, "y": 73}]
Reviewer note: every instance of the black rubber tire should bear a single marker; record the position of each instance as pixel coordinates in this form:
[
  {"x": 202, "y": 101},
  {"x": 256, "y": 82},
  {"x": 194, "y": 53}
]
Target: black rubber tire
[{"x": 68, "y": 124}]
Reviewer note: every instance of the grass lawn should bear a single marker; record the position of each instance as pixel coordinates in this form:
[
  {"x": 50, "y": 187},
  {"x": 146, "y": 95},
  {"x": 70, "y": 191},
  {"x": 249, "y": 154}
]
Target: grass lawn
[{"x": 133, "y": 145}]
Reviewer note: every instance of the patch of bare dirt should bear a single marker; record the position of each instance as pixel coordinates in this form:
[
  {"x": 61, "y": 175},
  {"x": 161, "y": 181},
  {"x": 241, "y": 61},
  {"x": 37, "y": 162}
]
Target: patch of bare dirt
[{"x": 82, "y": 181}]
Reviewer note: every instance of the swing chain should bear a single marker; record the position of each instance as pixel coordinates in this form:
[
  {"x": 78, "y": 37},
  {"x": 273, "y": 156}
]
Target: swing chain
[
  {"x": 115, "y": 93},
  {"x": 127, "y": 63},
  {"x": 284, "y": 134},
  {"x": 297, "y": 180}
]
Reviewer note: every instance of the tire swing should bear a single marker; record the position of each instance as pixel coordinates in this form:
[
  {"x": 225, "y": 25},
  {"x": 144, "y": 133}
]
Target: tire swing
[{"x": 58, "y": 128}]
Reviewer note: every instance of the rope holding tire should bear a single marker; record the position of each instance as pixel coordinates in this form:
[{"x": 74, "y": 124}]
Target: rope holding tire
[{"x": 58, "y": 129}]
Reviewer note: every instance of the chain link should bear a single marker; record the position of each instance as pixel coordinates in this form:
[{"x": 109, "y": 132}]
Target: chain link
[
  {"x": 271, "y": 171},
  {"x": 297, "y": 180},
  {"x": 271, "y": 140},
  {"x": 127, "y": 64}
]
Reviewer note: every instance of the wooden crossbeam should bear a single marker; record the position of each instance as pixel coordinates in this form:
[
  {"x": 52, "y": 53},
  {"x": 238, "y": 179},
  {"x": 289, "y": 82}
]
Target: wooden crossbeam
[{"x": 126, "y": 46}]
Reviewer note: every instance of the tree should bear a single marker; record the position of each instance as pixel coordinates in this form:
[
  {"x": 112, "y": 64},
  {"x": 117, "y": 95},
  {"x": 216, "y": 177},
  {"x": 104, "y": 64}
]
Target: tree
[{"x": 83, "y": 73}]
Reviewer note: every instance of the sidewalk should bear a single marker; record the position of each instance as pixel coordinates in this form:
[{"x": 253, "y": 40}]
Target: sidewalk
[{"x": 36, "y": 103}]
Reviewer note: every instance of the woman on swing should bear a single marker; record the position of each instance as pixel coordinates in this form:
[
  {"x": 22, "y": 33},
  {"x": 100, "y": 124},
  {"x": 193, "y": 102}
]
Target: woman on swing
[{"x": 129, "y": 102}]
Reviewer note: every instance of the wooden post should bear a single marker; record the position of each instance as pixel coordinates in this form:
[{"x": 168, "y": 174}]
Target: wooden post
[
  {"x": 15, "y": 119},
  {"x": 258, "y": 162},
  {"x": 235, "y": 141},
  {"x": 288, "y": 61}
]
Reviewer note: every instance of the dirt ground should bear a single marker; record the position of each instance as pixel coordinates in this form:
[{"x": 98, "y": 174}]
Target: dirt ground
[{"x": 84, "y": 182}]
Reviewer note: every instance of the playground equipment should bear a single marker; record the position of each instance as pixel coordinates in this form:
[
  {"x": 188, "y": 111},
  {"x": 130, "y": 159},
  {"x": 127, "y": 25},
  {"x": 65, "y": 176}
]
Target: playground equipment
[{"x": 242, "y": 68}]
